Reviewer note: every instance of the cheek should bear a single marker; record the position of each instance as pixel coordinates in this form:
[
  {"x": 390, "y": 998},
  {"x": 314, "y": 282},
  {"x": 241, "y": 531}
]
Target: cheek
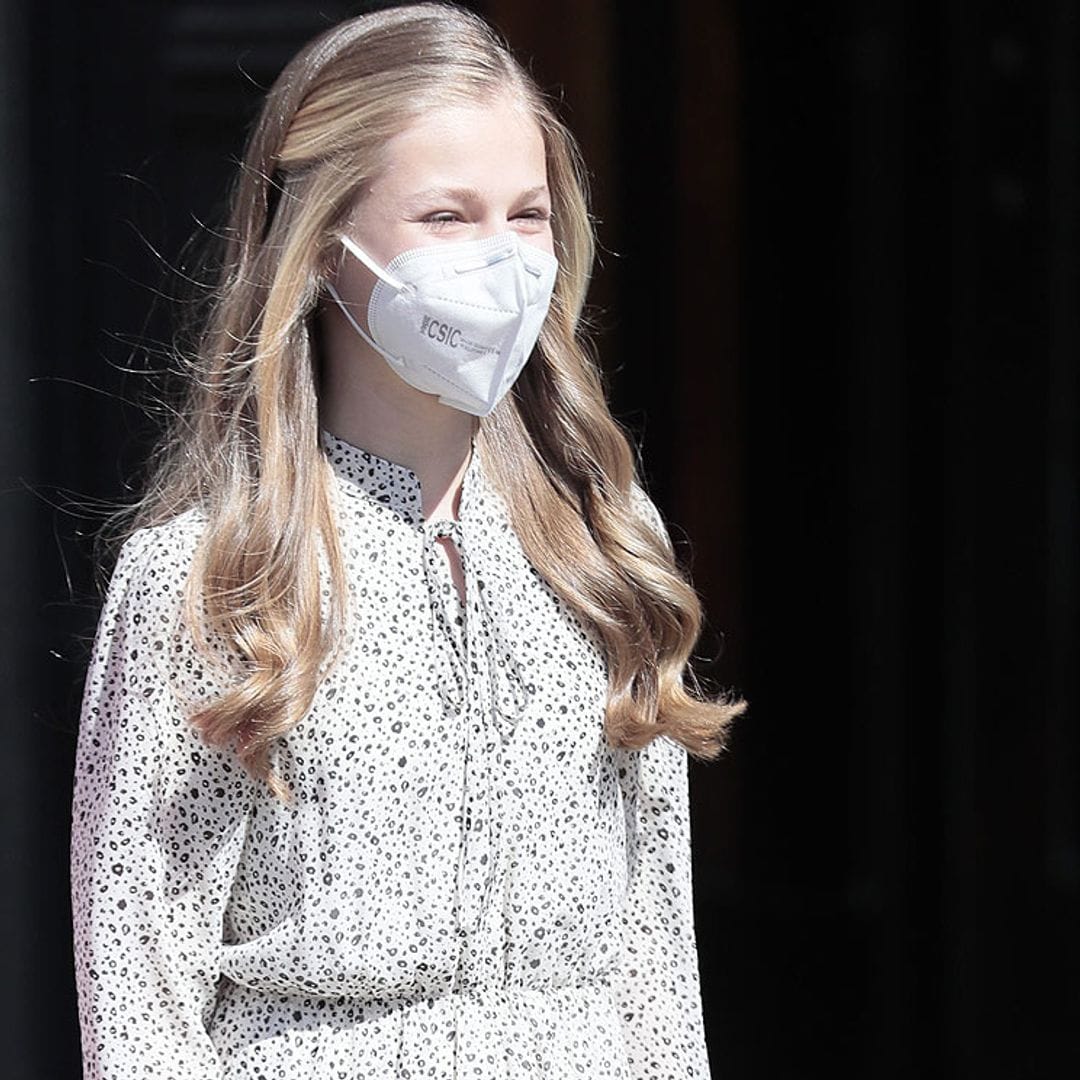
[{"x": 544, "y": 241}]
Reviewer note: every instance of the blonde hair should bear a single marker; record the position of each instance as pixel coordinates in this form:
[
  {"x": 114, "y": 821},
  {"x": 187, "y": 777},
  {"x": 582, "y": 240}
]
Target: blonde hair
[{"x": 244, "y": 447}]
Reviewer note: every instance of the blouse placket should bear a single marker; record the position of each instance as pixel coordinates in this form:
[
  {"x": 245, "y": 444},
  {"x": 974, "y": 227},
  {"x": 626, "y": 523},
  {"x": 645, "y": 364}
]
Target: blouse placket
[{"x": 461, "y": 690}]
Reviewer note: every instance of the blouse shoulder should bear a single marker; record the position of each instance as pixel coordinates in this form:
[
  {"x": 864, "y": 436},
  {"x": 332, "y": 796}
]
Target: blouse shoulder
[
  {"x": 151, "y": 575},
  {"x": 160, "y": 552}
]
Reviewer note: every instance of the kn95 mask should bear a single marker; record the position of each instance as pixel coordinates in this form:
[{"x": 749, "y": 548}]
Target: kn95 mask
[{"x": 458, "y": 319}]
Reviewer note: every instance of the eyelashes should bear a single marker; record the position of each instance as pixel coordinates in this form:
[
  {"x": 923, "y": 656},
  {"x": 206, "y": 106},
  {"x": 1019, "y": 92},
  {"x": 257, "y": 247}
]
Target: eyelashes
[{"x": 443, "y": 219}]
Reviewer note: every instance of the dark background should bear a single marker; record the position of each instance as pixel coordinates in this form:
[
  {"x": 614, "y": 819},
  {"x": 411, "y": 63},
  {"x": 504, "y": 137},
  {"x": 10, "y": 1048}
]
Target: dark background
[{"x": 838, "y": 306}]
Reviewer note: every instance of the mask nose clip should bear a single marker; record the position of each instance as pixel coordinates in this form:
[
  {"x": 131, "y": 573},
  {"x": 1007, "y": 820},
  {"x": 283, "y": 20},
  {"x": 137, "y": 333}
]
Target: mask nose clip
[{"x": 506, "y": 250}]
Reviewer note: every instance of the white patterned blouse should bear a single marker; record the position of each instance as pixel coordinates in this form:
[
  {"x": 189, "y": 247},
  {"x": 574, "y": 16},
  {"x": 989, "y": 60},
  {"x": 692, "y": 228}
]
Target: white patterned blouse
[{"x": 471, "y": 885}]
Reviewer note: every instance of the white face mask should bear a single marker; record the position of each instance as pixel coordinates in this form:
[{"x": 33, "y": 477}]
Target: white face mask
[{"x": 458, "y": 320}]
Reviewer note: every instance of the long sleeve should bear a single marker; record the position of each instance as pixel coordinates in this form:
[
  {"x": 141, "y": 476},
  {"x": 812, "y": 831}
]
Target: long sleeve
[
  {"x": 658, "y": 988},
  {"x": 158, "y": 823}
]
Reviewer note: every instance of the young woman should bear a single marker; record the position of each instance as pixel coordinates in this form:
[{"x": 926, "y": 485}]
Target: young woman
[{"x": 382, "y": 761}]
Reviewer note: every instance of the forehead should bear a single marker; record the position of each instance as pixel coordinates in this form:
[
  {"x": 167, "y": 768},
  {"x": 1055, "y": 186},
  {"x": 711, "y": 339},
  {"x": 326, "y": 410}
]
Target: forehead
[{"x": 488, "y": 145}]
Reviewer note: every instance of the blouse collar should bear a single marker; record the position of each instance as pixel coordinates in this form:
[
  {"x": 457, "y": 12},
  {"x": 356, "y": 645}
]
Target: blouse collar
[{"x": 389, "y": 483}]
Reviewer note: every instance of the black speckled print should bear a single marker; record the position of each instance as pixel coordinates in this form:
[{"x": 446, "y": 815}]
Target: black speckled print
[{"x": 472, "y": 885}]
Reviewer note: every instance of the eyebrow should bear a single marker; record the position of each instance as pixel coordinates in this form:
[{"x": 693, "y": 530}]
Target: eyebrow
[{"x": 466, "y": 195}]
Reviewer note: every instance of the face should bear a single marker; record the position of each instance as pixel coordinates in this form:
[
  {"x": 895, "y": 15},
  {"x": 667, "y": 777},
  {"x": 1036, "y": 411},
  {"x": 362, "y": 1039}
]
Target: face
[{"x": 457, "y": 173}]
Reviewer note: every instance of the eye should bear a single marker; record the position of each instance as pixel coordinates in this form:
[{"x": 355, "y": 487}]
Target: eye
[
  {"x": 442, "y": 218},
  {"x": 534, "y": 215}
]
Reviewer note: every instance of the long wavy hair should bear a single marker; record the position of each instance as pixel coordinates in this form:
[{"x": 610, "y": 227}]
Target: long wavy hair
[{"x": 243, "y": 447}]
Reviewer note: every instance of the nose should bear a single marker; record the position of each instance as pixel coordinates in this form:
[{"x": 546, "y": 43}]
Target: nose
[{"x": 492, "y": 224}]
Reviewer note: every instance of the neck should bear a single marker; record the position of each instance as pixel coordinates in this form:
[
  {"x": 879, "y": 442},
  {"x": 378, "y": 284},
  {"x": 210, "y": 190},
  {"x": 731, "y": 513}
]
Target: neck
[{"x": 363, "y": 401}]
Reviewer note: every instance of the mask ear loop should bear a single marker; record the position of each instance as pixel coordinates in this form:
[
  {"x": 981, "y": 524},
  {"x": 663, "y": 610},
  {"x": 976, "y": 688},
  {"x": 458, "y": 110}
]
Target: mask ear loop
[
  {"x": 371, "y": 264},
  {"x": 381, "y": 273}
]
